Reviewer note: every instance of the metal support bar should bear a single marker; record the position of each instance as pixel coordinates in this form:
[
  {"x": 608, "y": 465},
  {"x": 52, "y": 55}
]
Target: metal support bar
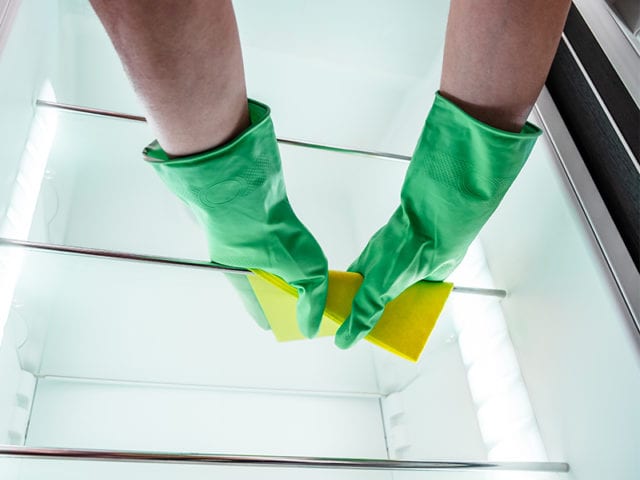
[
  {"x": 287, "y": 141},
  {"x": 213, "y": 388},
  {"x": 90, "y": 111},
  {"x": 113, "y": 255},
  {"x": 271, "y": 460}
]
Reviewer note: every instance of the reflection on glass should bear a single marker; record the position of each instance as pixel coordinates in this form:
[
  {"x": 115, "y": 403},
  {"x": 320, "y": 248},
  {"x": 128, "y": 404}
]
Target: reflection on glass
[{"x": 129, "y": 355}]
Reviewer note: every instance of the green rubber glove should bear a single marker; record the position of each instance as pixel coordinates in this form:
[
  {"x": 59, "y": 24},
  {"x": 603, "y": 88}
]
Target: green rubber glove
[
  {"x": 237, "y": 192},
  {"x": 458, "y": 175}
]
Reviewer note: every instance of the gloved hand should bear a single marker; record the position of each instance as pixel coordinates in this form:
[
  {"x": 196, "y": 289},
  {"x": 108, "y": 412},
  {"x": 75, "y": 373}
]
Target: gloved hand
[
  {"x": 237, "y": 192},
  {"x": 459, "y": 172}
]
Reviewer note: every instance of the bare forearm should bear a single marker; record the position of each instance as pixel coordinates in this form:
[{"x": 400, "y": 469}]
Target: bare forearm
[
  {"x": 498, "y": 54},
  {"x": 185, "y": 63}
]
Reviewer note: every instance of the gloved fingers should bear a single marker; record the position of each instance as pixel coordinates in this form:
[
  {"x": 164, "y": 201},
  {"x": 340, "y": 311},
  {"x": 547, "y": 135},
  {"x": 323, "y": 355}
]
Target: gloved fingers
[
  {"x": 381, "y": 263},
  {"x": 301, "y": 262},
  {"x": 367, "y": 307},
  {"x": 310, "y": 307}
]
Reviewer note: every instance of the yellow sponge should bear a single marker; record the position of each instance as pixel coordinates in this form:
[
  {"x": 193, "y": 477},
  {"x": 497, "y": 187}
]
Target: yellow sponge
[{"x": 403, "y": 328}]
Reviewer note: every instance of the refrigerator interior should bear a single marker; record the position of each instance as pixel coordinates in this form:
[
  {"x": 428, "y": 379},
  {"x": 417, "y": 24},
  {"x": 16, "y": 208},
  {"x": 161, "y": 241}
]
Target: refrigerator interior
[{"x": 118, "y": 354}]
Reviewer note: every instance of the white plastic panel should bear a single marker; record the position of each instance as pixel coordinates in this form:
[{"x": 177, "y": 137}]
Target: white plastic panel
[
  {"x": 26, "y": 59},
  {"x": 576, "y": 345},
  {"x": 98, "y": 415}
]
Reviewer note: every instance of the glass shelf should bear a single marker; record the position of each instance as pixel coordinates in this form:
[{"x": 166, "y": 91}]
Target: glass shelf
[
  {"x": 93, "y": 190},
  {"x": 120, "y": 354},
  {"x": 156, "y": 354}
]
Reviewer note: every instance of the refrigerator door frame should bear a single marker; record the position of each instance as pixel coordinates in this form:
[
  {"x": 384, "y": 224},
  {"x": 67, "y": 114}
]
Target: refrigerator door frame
[
  {"x": 616, "y": 259},
  {"x": 622, "y": 52},
  {"x": 617, "y": 41}
]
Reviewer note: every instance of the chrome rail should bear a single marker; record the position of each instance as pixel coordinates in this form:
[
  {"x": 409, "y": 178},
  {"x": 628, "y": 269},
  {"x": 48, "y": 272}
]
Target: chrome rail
[
  {"x": 272, "y": 460},
  {"x": 89, "y": 110},
  {"x": 287, "y": 141},
  {"x": 135, "y": 257}
]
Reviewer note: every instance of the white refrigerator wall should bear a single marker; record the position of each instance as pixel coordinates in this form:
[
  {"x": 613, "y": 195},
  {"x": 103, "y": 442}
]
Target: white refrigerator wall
[
  {"x": 113, "y": 324},
  {"x": 26, "y": 58},
  {"x": 576, "y": 344}
]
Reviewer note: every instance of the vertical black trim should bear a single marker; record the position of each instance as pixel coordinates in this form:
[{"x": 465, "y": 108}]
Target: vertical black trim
[
  {"x": 604, "y": 77},
  {"x": 610, "y": 165}
]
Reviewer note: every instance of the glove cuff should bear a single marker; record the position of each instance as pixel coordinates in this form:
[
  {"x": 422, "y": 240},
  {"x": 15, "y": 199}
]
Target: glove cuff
[
  {"x": 260, "y": 118},
  {"x": 453, "y": 139}
]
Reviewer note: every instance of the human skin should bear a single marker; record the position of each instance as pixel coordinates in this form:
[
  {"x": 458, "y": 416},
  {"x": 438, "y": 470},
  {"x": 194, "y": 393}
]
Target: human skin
[
  {"x": 497, "y": 56},
  {"x": 185, "y": 63}
]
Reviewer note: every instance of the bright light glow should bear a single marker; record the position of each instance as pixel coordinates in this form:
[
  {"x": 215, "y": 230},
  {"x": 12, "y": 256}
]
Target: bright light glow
[
  {"x": 22, "y": 205},
  {"x": 503, "y": 408}
]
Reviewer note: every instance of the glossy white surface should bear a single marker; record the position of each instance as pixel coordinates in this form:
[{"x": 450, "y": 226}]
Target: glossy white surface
[
  {"x": 359, "y": 74},
  {"x": 162, "y": 418},
  {"x": 576, "y": 345}
]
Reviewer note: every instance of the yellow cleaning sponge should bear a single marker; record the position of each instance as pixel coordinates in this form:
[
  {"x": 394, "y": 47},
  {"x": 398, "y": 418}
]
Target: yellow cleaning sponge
[{"x": 403, "y": 328}]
